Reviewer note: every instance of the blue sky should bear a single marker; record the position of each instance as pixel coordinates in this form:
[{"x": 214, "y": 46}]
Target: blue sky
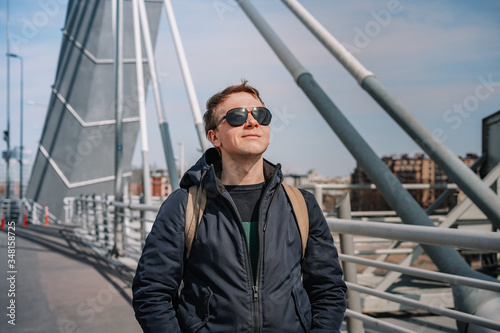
[{"x": 433, "y": 56}]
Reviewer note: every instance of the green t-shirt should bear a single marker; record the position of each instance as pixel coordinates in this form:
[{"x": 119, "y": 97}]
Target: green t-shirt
[{"x": 247, "y": 199}]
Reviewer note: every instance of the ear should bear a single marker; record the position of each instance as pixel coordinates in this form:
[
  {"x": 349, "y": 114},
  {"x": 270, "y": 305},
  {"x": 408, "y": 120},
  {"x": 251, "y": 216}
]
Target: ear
[{"x": 214, "y": 139}]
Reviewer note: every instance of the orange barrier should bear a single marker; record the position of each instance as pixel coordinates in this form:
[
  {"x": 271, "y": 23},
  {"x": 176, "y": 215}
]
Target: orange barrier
[
  {"x": 46, "y": 215},
  {"x": 25, "y": 218}
]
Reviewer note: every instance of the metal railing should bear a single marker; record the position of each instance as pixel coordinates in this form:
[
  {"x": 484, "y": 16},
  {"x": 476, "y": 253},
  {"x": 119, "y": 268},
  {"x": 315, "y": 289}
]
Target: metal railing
[
  {"x": 482, "y": 241},
  {"x": 319, "y": 190},
  {"x": 95, "y": 215},
  {"x": 26, "y": 211},
  {"x": 426, "y": 235}
]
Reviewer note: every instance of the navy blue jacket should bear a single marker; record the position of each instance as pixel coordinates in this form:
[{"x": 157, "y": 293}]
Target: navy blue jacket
[{"x": 218, "y": 293}]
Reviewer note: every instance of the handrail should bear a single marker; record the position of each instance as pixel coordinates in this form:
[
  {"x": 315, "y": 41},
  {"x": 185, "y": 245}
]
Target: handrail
[
  {"x": 437, "y": 276},
  {"x": 141, "y": 207},
  {"x": 409, "y": 186},
  {"x": 469, "y": 239},
  {"x": 462, "y": 316},
  {"x": 485, "y": 241},
  {"x": 377, "y": 323}
]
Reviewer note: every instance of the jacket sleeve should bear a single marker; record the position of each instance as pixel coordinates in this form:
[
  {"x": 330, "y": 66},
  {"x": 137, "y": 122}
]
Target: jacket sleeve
[
  {"x": 322, "y": 274},
  {"x": 160, "y": 267}
]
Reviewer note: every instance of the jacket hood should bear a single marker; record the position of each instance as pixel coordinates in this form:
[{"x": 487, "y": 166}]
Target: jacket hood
[
  {"x": 194, "y": 175},
  {"x": 208, "y": 168}
]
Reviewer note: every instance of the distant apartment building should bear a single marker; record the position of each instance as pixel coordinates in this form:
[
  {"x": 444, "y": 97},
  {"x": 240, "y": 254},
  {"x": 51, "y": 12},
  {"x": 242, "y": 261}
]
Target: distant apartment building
[
  {"x": 418, "y": 169},
  {"x": 160, "y": 183}
]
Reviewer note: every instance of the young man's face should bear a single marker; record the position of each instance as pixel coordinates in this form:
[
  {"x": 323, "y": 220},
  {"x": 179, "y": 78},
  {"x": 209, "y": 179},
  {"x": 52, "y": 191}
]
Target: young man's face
[{"x": 249, "y": 139}]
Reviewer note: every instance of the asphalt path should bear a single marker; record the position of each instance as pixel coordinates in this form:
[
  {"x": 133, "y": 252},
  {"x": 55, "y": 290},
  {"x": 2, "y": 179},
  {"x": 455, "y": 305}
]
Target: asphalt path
[{"x": 53, "y": 282}]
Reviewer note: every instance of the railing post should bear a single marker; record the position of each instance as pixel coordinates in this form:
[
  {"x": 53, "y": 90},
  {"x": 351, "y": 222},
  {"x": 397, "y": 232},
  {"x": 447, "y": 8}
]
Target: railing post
[
  {"x": 88, "y": 205},
  {"x": 34, "y": 214},
  {"x": 106, "y": 219},
  {"x": 91, "y": 211},
  {"x": 84, "y": 212},
  {"x": 318, "y": 193},
  {"x": 9, "y": 212},
  {"x": 144, "y": 215},
  {"x": 347, "y": 247},
  {"x": 69, "y": 209},
  {"x": 126, "y": 223},
  {"x": 79, "y": 210},
  {"x": 72, "y": 209},
  {"x": 20, "y": 210},
  {"x": 117, "y": 249},
  {"x": 96, "y": 217}
]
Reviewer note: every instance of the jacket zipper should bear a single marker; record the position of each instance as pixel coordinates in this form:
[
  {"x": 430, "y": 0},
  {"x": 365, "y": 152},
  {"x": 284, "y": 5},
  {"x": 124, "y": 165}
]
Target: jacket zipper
[
  {"x": 253, "y": 284},
  {"x": 261, "y": 254}
]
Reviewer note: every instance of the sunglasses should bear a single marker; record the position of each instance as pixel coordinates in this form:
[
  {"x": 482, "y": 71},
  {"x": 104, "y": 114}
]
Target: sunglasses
[{"x": 238, "y": 116}]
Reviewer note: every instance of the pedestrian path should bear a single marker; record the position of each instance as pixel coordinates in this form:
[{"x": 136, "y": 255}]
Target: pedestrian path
[{"x": 59, "y": 284}]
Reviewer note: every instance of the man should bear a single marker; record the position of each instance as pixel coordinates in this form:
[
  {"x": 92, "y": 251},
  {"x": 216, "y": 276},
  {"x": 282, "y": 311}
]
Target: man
[{"x": 245, "y": 271}]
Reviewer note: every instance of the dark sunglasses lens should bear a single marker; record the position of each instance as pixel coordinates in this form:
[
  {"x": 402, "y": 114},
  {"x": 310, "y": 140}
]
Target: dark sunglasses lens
[
  {"x": 236, "y": 117},
  {"x": 262, "y": 115}
]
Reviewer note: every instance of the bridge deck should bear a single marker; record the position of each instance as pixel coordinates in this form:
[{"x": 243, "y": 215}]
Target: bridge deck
[{"x": 62, "y": 285}]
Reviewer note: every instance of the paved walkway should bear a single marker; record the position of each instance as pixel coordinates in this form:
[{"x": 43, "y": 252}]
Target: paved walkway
[{"x": 62, "y": 285}]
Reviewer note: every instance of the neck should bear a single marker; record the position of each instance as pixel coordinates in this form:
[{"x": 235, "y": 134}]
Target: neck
[{"x": 242, "y": 172}]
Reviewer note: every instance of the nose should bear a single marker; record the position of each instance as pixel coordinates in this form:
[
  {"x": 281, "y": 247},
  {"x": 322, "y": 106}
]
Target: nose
[{"x": 251, "y": 122}]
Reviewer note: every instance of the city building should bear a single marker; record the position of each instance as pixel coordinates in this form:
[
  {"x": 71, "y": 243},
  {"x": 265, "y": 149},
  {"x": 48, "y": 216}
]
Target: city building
[
  {"x": 417, "y": 169},
  {"x": 14, "y": 172},
  {"x": 160, "y": 183}
]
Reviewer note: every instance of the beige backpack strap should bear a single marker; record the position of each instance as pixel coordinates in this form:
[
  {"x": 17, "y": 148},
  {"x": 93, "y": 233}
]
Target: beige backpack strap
[
  {"x": 299, "y": 207},
  {"x": 194, "y": 212}
]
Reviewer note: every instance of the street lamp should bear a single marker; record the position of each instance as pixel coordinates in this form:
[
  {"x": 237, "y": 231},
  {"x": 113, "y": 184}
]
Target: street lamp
[
  {"x": 6, "y": 133},
  {"x": 12, "y": 55}
]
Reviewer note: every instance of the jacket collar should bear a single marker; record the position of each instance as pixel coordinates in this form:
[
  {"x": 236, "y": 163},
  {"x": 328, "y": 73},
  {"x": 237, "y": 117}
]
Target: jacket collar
[{"x": 207, "y": 170}]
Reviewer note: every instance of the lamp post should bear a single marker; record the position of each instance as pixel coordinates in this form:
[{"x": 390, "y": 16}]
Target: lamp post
[
  {"x": 12, "y": 55},
  {"x": 6, "y": 133}
]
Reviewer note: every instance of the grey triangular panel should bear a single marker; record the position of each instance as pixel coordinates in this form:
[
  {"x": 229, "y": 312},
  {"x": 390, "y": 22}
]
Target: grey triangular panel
[{"x": 76, "y": 154}]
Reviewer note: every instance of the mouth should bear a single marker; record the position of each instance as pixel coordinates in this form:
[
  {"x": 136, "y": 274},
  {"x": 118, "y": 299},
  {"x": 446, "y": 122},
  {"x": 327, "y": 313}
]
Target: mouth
[{"x": 251, "y": 136}]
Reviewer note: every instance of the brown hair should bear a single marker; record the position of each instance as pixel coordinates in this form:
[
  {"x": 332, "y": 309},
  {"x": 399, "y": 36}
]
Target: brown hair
[{"x": 209, "y": 116}]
